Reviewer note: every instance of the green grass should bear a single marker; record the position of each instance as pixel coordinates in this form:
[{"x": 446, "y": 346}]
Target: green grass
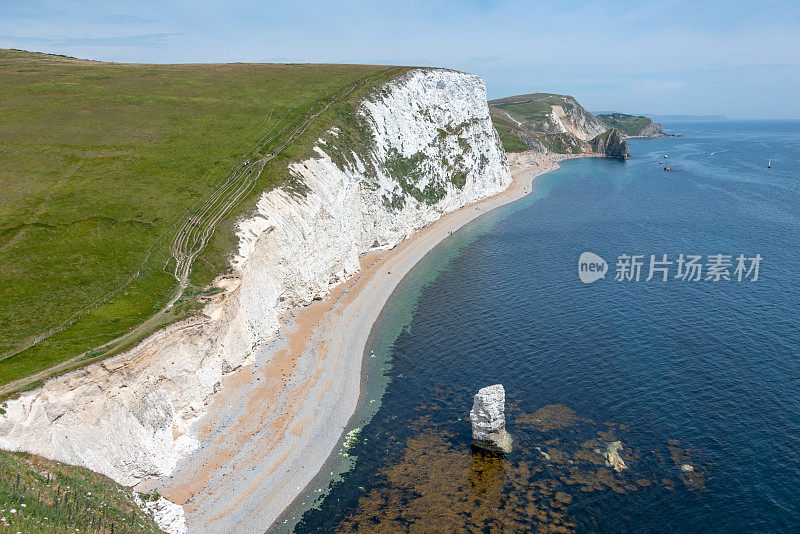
[
  {"x": 100, "y": 161},
  {"x": 531, "y": 108},
  {"x": 627, "y": 124},
  {"x": 508, "y": 136},
  {"x": 53, "y": 497}
]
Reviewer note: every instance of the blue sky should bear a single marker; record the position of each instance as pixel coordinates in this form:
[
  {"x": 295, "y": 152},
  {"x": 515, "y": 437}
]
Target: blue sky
[{"x": 739, "y": 59}]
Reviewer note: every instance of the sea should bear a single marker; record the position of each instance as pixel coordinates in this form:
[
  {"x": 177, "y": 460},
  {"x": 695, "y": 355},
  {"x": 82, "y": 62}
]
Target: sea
[{"x": 694, "y": 380}]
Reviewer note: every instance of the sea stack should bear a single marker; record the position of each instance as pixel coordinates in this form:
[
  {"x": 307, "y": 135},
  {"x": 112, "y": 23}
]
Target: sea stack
[{"x": 489, "y": 419}]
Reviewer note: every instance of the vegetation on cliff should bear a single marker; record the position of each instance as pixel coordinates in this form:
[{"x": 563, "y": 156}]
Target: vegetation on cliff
[
  {"x": 631, "y": 125},
  {"x": 39, "y": 495},
  {"x": 103, "y": 166},
  {"x": 611, "y": 144},
  {"x": 543, "y": 122}
]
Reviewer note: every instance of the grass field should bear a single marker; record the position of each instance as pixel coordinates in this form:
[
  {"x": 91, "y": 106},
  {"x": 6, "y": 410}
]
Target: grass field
[
  {"x": 530, "y": 108},
  {"x": 101, "y": 163},
  {"x": 42, "y": 496}
]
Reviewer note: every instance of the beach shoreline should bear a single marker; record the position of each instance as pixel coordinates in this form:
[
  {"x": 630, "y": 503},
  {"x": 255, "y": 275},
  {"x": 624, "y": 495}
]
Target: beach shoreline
[{"x": 253, "y": 463}]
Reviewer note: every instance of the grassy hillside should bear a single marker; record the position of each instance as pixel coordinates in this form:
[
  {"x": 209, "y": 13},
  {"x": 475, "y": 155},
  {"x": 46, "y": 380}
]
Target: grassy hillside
[
  {"x": 508, "y": 133},
  {"x": 526, "y": 122},
  {"x": 48, "y": 497},
  {"x": 531, "y": 109},
  {"x": 627, "y": 124},
  {"x": 102, "y": 166}
]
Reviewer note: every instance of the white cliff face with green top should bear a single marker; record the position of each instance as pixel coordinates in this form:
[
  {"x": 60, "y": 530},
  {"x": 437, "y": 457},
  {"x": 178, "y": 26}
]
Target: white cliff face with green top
[
  {"x": 430, "y": 148},
  {"x": 433, "y": 150}
]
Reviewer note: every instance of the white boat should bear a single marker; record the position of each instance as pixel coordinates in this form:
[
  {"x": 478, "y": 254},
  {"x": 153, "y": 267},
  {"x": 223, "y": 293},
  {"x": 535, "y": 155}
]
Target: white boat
[{"x": 769, "y": 165}]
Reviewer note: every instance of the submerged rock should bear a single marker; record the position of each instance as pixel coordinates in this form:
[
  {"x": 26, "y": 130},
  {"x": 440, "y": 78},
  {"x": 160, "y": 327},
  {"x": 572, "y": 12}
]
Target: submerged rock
[
  {"x": 613, "y": 459},
  {"x": 489, "y": 419}
]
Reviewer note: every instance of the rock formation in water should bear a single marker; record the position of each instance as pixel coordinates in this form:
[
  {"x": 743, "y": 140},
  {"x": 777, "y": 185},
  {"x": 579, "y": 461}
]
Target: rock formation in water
[
  {"x": 610, "y": 144},
  {"x": 489, "y": 419}
]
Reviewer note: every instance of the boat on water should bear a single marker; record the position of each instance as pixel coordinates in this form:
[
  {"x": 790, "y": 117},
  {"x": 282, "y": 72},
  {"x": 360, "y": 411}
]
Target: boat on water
[
  {"x": 660, "y": 162},
  {"x": 769, "y": 165}
]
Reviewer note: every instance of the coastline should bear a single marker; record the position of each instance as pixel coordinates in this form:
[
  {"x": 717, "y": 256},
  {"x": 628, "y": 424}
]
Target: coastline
[{"x": 254, "y": 462}]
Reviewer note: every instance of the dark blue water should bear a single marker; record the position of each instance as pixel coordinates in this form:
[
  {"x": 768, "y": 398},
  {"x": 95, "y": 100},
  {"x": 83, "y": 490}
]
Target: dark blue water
[{"x": 681, "y": 372}]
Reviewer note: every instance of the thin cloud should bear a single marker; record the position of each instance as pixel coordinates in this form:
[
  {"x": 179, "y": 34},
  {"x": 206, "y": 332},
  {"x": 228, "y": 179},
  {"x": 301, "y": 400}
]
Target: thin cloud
[
  {"x": 660, "y": 86},
  {"x": 132, "y": 41}
]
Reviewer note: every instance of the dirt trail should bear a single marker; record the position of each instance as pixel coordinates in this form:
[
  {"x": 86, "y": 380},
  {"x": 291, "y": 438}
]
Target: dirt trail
[{"x": 196, "y": 229}]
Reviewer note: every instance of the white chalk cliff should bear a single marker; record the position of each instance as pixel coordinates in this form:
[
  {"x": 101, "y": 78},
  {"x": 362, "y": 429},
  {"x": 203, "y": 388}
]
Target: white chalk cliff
[{"x": 131, "y": 416}]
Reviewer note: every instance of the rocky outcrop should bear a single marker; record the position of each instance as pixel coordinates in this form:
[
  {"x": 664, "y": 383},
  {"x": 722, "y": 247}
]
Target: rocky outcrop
[
  {"x": 543, "y": 123},
  {"x": 571, "y": 118},
  {"x": 653, "y": 129},
  {"x": 426, "y": 147},
  {"x": 168, "y": 516},
  {"x": 610, "y": 144},
  {"x": 633, "y": 125},
  {"x": 489, "y": 420},
  {"x": 545, "y": 113},
  {"x": 613, "y": 458}
]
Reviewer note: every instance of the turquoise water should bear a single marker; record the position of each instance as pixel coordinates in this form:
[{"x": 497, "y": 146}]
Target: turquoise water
[{"x": 682, "y": 373}]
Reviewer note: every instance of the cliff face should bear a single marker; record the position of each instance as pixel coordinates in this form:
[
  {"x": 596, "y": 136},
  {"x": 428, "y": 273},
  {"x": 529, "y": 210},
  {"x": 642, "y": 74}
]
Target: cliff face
[
  {"x": 427, "y": 147},
  {"x": 543, "y": 123},
  {"x": 610, "y": 144},
  {"x": 653, "y": 129}
]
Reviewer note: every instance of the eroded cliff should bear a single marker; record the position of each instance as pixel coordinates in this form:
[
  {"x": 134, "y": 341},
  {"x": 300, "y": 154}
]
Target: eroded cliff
[
  {"x": 419, "y": 147},
  {"x": 610, "y": 144}
]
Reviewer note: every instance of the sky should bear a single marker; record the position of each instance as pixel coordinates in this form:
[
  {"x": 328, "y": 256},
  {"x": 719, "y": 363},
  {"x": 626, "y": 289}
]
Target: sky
[{"x": 731, "y": 58}]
